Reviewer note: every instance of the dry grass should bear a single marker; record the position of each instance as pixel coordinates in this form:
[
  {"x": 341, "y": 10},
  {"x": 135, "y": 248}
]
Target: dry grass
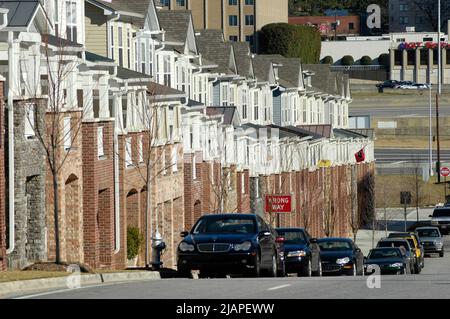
[
  {"x": 28, "y": 275},
  {"x": 388, "y": 188}
]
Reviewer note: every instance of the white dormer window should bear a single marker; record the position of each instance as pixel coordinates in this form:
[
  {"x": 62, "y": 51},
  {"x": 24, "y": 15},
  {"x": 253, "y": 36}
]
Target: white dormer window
[
  {"x": 111, "y": 40},
  {"x": 232, "y": 101},
  {"x": 224, "y": 94},
  {"x": 30, "y": 120},
  {"x": 100, "y": 149},
  {"x": 256, "y": 105},
  {"x": 244, "y": 104},
  {"x": 67, "y": 133},
  {"x": 71, "y": 20},
  {"x": 120, "y": 44}
]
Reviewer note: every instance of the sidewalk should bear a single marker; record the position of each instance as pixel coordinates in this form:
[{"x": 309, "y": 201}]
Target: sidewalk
[{"x": 73, "y": 281}]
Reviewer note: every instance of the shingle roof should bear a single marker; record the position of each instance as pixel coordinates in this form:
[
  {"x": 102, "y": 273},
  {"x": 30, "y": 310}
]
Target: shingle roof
[
  {"x": 59, "y": 42},
  {"x": 243, "y": 58},
  {"x": 211, "y": 45},
  {"x": 92, "y": 57},
  {"x": 343, "y": 133},
  {"x": 323, "y": 130},
  {"x": 289, "y": 73},
  {"x": 176, "y": 24},
  {"x": 157, "y": 89},
  {"x": 325, "y": 80},
  {"x": 137, "y": 8},
  {"x": 227, "y": 112},
  {"x": 269, "y": 130},
  {"x": 20, "y": 12},
  {"x": 124, "y": 73},
  {"x": 296, "y": 130}
]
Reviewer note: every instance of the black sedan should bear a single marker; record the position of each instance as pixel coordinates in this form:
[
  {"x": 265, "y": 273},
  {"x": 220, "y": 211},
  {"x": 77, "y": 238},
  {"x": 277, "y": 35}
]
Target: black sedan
[
  {"x": 230, "y": 244},
  {"x": 340, "y": 256},
  {"x": 390, "y": 260},
  {"x": 388, "y": 84},
  {"x": 301, "y": 251}
]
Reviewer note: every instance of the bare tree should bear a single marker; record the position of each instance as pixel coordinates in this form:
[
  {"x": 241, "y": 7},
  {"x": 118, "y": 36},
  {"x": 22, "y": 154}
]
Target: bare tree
[
  {"x": 354, "y": 218},
  {"x": 329, "y": 209}
]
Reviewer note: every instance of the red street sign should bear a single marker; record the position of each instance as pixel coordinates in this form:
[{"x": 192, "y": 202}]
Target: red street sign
[
  {"x": 445, "y": 171},
  {"x": 278, "y": 204}
]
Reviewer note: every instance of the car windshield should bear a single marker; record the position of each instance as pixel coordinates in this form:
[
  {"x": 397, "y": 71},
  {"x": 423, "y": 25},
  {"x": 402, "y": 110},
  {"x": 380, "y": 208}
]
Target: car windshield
[
  {"x": 225, "y": 225},
  {"x": 384, "y": 253},
  {"x": 331, "y": 245},
  {"x": 441, "y": 213},
  {"x": 428, "y": 232},
  {"x": 292, "y": 237},
  {"x": 394, "y": 244}
]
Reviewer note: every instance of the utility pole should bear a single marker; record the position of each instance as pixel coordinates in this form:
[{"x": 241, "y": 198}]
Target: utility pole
[{"x": 438, "y": 93}]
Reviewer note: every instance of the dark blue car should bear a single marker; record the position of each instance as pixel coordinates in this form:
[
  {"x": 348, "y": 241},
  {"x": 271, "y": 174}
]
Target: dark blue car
[
  {"x": 340, "y": 256},
  {"x": 301, "y": 252},
  {"x": 230, "y": 244}
]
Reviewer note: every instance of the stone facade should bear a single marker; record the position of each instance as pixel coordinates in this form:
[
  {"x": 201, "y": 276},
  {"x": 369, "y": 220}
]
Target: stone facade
[
  {"x": 2, "y": 183},
  {"x": 29, "y": 188}
]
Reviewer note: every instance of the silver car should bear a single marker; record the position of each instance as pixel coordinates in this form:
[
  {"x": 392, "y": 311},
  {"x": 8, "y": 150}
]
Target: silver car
[
  {"x": 431, "y": 240},
  {"x": 441, "y": 219}
]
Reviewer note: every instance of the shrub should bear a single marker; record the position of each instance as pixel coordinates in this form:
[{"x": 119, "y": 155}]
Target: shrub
[
  {"x": 384, "y": 59},
  {"x": 347, "y": 60},
  {"x": 327, "y": 60},
  {"x": 134, "y": 242},
  {"x": 291, "y": 41},
  {"x": 366, "y": 60}
]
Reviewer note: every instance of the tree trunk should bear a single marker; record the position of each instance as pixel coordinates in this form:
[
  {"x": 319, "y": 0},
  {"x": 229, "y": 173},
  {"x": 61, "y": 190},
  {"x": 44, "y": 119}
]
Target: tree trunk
[
  {"x": 55, "y": 216},
  {"x": 148, "y": 215}
]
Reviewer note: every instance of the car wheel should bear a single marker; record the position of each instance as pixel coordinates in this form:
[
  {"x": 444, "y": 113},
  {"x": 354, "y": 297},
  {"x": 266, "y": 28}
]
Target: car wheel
[
  {"x": 184, "y": 272},
  {"x": 417, "y": 269},
  {"x": 441, "y": 254},
  {"x": 307, "y": 271},
  {"x": 256, "y": 270},
  {"x": 274, "y": 268},
  {"x": 355, "y": 271}
]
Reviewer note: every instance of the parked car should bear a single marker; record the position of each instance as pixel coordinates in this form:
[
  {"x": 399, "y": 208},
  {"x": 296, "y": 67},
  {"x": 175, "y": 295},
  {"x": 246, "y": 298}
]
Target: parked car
[
  {"x": 230, "y": 244},
  {"x": 398, "y": 243},
  {"x": 432, "y": 240},
  {"x": 341, "y": 256},
  {"x": 301, "y": 251},
  {"x": 414, "y": 86},
  {"x": 403, "y": 84},
  {"x": 414, "y": 242},
  {"x": 387, "y": 84},
  {"x": 441, "y": 219},
  {"x": 391, "y": 260}
]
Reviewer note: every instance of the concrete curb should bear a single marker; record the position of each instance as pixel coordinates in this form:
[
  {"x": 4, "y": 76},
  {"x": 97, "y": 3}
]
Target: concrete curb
[{"x": 15, "y": 288}]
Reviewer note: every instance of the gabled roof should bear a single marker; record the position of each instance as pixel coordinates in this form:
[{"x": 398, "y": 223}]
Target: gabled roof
[
  {"x": 289, "y": 70},
  {"x": 60, "y": 42},
  {"x": 21, "y": 14},
  {"x": 297, "y": 131},
  {"x": 228, "y": 113},
  {"x": 128, "y": 74},
  {"x": 243, "y": 58},
  {"x": 129, "y": 10},
  {"x": 323, "y": 130},
  {"x": 269, "y": 129},
  {"x": 159, "y": 91},
  {"x": 212, "y": 46},
  {"x": 92, "y": 57},
  {"x": 177, "y": 25},
  {"x": 327, "y": 81}
]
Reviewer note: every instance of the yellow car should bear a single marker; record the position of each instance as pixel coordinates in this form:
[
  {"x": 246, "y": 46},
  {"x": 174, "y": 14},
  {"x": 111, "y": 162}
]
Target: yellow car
[{"x": 415, "y": 244}]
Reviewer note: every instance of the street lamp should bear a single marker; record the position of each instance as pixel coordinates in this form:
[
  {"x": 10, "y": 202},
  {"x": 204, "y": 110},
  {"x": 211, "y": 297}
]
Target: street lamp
[{"x": 438, "y": 93}]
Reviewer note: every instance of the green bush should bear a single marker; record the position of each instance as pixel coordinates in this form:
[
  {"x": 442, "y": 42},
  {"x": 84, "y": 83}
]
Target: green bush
[
  {"x": 384, "y": 59},
  {"x": 134, "y": 242},
  {"x": 366, "y": 60},
  {"x": 291, "y": 41},
  {"x": 347, "y": 60},
  {"x": 327, "y": 60}
]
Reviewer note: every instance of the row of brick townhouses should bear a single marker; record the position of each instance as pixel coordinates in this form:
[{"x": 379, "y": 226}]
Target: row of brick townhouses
[{"x": 159, "y": 124}]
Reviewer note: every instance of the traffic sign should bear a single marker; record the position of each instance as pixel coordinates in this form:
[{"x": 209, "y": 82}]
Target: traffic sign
[
  {"x": 278, "y": 204},
  {"x": 445, "y": 171}
]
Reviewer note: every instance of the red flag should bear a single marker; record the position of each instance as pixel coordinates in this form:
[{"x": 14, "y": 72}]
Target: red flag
[{"x": 360, "y": 156}]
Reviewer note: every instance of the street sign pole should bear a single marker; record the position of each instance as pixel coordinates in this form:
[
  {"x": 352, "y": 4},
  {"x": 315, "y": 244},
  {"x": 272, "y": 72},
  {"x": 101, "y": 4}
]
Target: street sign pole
[{"x": 406, "y": 216}]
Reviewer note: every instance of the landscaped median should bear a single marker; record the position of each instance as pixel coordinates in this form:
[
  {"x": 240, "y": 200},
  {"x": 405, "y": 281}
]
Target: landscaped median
[{"x": 28, "y": 282}]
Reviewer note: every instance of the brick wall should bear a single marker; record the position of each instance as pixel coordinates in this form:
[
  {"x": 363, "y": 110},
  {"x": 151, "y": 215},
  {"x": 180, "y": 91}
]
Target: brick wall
[
  {"x": 98, "y": 196},
  {"x": 243, "y": 195},
  {"x": 193, "y": 190},
  {"x": 2, "y": 184}
]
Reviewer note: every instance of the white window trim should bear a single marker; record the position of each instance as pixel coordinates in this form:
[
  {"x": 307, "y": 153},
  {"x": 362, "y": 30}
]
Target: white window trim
[
  {"x": 140, "y": 149},
  {"x": 194, "y": 169},
  {"x": 174, "y": 160},
  {"x": 67, "y": 133},
  {"x": 243, "y": 183},
  {"x": 100, "y": 142},
  {"x": 30, "y": 120},
  {"x": 128, "y": 152}
]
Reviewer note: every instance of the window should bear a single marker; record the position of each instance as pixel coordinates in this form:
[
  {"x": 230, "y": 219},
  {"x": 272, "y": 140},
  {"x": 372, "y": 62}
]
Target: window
[
  {"x": 194, "y": 169},
  {"x": 351, "y": 26},
  {"x": 256, "y": 105},
  {"x": 244, "y": 104},
  {"x": 256, "y": 187},
  {"x": 111, "y": 34},
  {"x": 403, "y": 7},
  {"x": 243, "y": 183},
  {"x": 249, "y": 2},
  {"x": 164, "y": 3},
  {"x": 143, "y": 51},
  {"x": 71, "y": 20},
  {"x": 120, "y": 45},
  {"x": 232, "y": 20},
  {"x": 67, "y": 133},
  {"x": 249, "y": 39},
  {"x": 140, "y": 149},
  {"x": 166, "y": 71},
  {"x": 128, "y": 152},
  {"x": 181, "y": 3},
  {"x": 224, "y": 94},
  {"x": 232, "y": 2},
  {"x": 249, "y": 20},
  {"x": 56, "y": 16},
  {"x": 100, "y": 149},
  {"x": 403, "y": 20},
  {"x": 30, "y": 120},
  {"x": 232, "y": 96},
  {"x": 129, "y": 48},
  {"x": 233, "y": 38},
  {"x": 136, "y": 65},
  {"x": 174, "y": 160}
]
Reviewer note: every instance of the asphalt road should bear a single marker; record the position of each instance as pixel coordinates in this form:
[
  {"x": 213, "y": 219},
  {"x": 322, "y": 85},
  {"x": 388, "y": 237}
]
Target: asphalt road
[
  {"x": 397, "y": 111},
  {"x": 408, "y": 155},
  {"x": 433, "y": 282}
]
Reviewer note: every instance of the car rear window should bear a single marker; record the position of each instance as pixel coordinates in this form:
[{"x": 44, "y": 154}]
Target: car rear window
[
  {"x": 384, "y": 253},
  {"x": 292, "y": 237},
  {"x": 394, "y": 244},
  {"x": 227, "y": 225},
  {"x": 441, "y": 213}
]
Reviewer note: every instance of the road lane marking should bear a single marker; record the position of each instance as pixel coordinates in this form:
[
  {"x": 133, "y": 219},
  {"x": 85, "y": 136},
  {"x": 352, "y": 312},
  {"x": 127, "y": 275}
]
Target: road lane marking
[{"x": 278, "y": 287}]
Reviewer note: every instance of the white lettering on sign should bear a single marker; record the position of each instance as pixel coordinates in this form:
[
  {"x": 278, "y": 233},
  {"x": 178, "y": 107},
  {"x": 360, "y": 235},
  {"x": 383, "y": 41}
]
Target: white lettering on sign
[{"x": 374, "y": 18}]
